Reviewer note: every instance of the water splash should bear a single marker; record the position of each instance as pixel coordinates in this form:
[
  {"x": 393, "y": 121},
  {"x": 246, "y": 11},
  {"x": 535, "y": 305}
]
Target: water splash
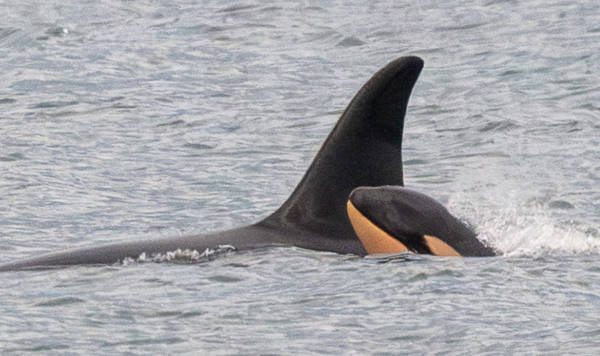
[
  {"x": 516, "y": 232},
  {"x": 181, "y": 256}
]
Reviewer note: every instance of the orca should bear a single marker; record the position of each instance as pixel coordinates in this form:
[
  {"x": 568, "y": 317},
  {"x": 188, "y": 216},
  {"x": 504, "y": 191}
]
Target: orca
[
  {"x": 364, "y": 149},
  {"x": 392, "y": 219}
]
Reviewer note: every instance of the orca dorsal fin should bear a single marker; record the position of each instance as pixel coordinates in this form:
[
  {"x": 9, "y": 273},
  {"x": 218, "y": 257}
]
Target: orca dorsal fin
[{"x": 364, "y": 149}]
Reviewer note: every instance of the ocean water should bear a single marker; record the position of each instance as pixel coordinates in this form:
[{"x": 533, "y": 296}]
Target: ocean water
[{"x": 134, "y": 120}]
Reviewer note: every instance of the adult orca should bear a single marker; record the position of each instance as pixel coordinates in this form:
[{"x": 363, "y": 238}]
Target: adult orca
[{"x": 364, "y": 149}]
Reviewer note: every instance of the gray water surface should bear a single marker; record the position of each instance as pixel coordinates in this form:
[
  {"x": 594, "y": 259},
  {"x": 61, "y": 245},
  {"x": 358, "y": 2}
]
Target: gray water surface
[{"x": 137, "y": 120}]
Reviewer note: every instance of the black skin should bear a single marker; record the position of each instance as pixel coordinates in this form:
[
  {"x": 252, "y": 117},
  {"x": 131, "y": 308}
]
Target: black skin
[
  {"x": 364, "y": 149},
  {"x": 408, "y": 215}
]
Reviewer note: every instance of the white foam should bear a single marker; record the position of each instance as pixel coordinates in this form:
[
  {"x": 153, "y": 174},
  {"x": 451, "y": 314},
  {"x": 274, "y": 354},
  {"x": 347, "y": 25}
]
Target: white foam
[
  {"x": 519, "y": 233},
  {"x": 181, "y": 256}
]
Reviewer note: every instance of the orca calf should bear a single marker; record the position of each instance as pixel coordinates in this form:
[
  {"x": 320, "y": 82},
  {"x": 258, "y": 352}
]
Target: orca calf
[
  {"x": 363, "y": 150},
  {"x": 393, "y": 219}
]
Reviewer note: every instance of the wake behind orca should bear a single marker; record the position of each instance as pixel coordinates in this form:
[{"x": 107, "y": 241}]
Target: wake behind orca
[{"x": 364, "y": 149}]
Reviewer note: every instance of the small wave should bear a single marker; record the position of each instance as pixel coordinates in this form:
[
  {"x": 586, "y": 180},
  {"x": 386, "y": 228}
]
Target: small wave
[
  {"x": 516, "y": 233},
  {"x": 181, "y": 256},
  {"x": 350, "y": 42}
]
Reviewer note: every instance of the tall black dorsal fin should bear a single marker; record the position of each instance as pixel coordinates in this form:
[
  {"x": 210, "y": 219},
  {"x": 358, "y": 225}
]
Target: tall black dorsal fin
[{"x": 364, "y": 149}]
